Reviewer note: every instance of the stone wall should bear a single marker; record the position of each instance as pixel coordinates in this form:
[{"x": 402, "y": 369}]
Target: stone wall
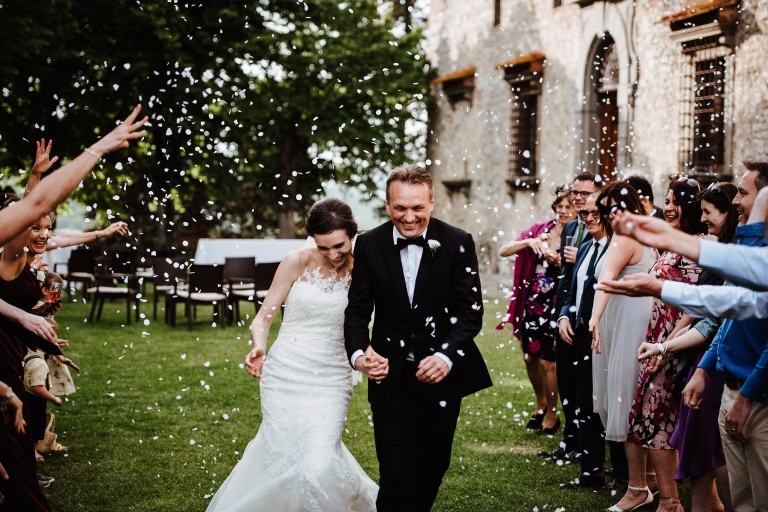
[{"x": 470, "y": 140}]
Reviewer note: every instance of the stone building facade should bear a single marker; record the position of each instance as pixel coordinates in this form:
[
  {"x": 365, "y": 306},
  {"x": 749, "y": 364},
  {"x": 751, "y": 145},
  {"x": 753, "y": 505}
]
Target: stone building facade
[{"x": 531, "y": 92}]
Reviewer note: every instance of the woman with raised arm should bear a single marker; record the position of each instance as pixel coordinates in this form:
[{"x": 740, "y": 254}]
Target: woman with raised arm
[
  {"x": 297, "y": 460},
  {"x": 56, "y": 188},
  {"x": 618, "y": 326}
]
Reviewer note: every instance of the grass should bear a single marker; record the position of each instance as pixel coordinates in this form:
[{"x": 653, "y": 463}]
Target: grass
[{"x": 161, "y": 415}]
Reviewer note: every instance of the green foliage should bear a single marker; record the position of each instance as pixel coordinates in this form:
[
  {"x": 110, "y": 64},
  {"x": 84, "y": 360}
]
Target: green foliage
[{"x": 252, "y": 105}]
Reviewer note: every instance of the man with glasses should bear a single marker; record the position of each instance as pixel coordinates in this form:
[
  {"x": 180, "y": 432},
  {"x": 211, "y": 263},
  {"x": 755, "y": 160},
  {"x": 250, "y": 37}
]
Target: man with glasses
[{"x": 574, "y": 234}]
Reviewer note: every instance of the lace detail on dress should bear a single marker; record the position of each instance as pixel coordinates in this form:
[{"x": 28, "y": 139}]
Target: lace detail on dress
[{"x": 327, "y": 284}]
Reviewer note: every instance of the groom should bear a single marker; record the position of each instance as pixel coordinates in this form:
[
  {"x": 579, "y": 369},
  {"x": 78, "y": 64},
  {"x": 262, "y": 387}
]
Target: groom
[{"x": 421, "y": 276}]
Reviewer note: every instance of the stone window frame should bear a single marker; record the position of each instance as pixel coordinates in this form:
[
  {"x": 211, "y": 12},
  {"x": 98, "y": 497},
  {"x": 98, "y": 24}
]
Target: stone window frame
[
  {"x": 525, "y": 76},
  {"x": 458, "y": 86},
  {"x": 706, "y": 34}
]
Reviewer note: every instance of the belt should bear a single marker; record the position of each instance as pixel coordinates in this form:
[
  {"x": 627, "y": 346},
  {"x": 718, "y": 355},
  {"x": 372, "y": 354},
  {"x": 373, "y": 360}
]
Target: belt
[{"x": 734, "y": 384}]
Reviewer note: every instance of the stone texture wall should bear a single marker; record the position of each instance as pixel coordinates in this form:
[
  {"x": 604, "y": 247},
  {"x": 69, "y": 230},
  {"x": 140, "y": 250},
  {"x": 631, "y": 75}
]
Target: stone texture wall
[{"x": 471, "y": 140}]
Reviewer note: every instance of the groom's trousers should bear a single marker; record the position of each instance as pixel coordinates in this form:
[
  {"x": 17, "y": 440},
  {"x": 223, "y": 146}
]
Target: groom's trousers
[{"x": 414, "y": 437}]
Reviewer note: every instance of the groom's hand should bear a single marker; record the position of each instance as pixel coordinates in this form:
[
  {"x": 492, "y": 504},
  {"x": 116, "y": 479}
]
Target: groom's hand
[
  {"x": 432, "y": 369},
  {"x": 373, "y": 365}
]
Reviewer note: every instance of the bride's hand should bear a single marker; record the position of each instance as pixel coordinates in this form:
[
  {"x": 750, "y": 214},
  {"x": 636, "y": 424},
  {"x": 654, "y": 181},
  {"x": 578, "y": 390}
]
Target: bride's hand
[
  {"x": 254, "y": 361},
  {"x": 374, "y": 366}
]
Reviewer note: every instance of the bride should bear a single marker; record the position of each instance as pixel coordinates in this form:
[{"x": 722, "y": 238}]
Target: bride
[{"x": 297, "y": 461}]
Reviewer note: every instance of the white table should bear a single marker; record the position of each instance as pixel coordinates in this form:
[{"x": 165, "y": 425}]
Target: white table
[{"x": 210, "y": 251}]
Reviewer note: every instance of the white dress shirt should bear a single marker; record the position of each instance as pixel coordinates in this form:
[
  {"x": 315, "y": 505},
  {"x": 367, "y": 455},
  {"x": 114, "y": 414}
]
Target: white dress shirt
[
  {"x": 715, "y": 301},
  {"x": 410, "y": 258},
  {"x": 741, "y": 265}
]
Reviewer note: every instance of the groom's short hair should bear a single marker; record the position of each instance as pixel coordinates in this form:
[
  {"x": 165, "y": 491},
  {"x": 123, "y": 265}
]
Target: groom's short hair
[{"x": 412, "y": 174}]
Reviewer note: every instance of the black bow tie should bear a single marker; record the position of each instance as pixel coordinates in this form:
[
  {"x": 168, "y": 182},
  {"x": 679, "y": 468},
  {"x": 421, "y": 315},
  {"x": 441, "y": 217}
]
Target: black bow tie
[{"x": 402, "y": 243}]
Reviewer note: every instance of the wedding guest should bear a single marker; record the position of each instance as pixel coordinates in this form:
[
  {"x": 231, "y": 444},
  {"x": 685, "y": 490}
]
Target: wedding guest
[
  {"x": 57, "y": 187},
  {"x": 654, "y": 411},
  {"x": 618, "y": 325},
  {"x": 575, "y": 231},
  {"x": 746, "y": 267},
  {"x": 537, "y": 268},
  {"x": 645, "y": 191},
  {"x": 575, "y": 332}
]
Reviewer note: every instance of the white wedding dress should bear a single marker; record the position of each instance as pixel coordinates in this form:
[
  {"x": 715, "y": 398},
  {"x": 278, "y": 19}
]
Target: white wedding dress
[{"x": 297, "y": 461}]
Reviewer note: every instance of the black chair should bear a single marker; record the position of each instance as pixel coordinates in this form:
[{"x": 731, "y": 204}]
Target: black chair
[
  {"x": 80, "y": 269},
  {"x": 168, "y": 273},
  {"x": 109, "y": 286},
  {"x": 123, "y": 260},
  {"x": 265, "y": 273},
  {"x": 205, "y": 285},
  {"x": 239, "y": 275}
]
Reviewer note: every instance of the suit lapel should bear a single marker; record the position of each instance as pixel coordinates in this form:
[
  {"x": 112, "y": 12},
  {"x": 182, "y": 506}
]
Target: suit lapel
[
  {"x": 395, "y": 267},
  {"x": 427, "y": 261}
]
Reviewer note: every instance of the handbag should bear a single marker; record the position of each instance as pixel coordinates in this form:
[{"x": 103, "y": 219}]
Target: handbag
[
  {"x": 61, "y": 379},
  {"x": 44, "y": 445}
]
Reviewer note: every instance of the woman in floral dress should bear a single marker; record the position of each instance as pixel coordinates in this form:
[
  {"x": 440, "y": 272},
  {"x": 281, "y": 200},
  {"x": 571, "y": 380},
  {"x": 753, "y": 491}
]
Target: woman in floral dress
[
  {"x": 654, "y": 412},
  {"x": 537, "y": 268}
]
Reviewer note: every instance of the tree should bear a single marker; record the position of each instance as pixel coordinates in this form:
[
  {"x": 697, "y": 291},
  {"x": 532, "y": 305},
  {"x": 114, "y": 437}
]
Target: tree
[{"x": 252, "y": 106}]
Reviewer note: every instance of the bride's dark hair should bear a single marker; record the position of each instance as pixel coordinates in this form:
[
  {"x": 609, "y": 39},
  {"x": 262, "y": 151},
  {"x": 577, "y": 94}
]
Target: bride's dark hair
[{"x": 330, "y": 215}]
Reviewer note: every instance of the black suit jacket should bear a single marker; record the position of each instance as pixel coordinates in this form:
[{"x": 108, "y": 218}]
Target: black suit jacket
[
  {"x": 447, "y": 310},
  {"x": 584, "y": 309},
  {"x": 566, "y": 271}
]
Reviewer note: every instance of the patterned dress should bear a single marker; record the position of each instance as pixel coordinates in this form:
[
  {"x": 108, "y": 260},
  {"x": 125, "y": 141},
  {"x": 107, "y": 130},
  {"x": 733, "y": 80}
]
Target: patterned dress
[
  {"x": 654, "y": 413},
  {"x": 537, "y": 334}
]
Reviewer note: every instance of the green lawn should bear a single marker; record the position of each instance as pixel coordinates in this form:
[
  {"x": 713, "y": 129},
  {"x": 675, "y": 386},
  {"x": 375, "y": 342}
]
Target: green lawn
[{"x": 161, "y": 415}]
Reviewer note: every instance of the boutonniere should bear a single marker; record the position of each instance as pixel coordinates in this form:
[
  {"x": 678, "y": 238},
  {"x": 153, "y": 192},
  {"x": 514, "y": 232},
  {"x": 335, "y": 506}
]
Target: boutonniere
[
  {"x": 434, "y": 245},
  {"x": 39, "y": 276},
  {"x": 544, "y": 236}
]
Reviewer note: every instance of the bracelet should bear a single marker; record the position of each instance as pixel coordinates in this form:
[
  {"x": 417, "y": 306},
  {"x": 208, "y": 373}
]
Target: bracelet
[
  {"x": 92, "y": 152},
  {"x": 97, "y": 234},
  {"x": 10, "y": 393}
]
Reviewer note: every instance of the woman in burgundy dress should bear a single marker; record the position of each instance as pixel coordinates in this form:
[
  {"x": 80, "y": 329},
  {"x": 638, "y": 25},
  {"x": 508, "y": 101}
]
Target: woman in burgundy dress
[{"x": 19, "y": 287}]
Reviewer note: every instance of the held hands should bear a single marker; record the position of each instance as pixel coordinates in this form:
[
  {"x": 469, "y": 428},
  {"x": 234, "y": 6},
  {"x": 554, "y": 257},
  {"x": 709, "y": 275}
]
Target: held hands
[
  {"x": 254, "y": 361},
  {"x": 120, "y": 136},
  {"x": 566, "y": 331},
  {"x": 43, "y": 160},
  {"x": 432, "y": 369},
  {"x": 634, "y": 285},
  {"x": 552, "y": 257},
  {"x": 373, "y": 365}
]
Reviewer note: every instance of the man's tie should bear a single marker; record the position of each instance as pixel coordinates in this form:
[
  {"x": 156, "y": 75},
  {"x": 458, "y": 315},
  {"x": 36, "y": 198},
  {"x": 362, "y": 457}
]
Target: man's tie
[
  {"x": 580, "y": 236},
  {"x": 592, "y": 261},
  {"x": 402, "y": 243}
]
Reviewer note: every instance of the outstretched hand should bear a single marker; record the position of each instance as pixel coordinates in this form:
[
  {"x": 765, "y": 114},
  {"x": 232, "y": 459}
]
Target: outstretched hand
[
  {"x": 122, "y": 135},
  {"x": 633, "y": 285},
  {"x": 432, "y": 369},
  {"x": 43, "y": 160},
  {"x": 119, "y": 228},
  {"x": 374, "y": 366},
  {"x": 647, "y": 230}
]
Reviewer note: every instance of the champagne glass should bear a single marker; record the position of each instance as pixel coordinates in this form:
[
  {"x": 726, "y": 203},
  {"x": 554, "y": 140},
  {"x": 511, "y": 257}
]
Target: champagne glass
[{"x": 53, "y": 296}]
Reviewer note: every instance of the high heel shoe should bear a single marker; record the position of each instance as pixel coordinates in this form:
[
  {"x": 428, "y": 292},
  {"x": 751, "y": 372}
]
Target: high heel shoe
[
  {"x": 648, "y": 499},
  {"x": 672, "y": 501},
  {"x": 549, "y": 431},
  {"x": 535, "y": 422}
]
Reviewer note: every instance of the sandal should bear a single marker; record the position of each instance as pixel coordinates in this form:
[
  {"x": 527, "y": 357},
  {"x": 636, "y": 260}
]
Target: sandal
[
  {"x": 58, "y": 448},
  {"x": 648, "y": 499},
  {"x": 672, "y": 501}
]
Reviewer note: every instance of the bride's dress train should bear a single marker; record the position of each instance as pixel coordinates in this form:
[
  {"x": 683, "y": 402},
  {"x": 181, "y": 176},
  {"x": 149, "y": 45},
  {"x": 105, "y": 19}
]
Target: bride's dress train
[{"x": 297, "y": 461}]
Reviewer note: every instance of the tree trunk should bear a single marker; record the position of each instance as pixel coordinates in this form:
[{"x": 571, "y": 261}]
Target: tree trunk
[{"x": 286, "y": 222}]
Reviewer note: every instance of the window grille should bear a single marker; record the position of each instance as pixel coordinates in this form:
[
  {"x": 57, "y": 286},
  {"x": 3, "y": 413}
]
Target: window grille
[
  {"x": 702, "y": 111},
  {"x": 496, "y": 12},
  {"x": 523, "y": 130}
]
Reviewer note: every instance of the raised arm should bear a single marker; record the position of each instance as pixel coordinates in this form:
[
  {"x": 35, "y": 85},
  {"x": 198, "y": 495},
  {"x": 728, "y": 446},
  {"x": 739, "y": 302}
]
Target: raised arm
[
  {"x": 70, "y": 239},
  {"x": 56, "y": 188},
  {"x": 43, "y": 162},
  {"x": 287, "y": 273}
]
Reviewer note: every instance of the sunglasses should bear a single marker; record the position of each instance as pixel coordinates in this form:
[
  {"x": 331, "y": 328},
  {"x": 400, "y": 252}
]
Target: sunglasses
[
  {"x": 585, "y": 214},
  {"x": 689, "y": 181}
]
